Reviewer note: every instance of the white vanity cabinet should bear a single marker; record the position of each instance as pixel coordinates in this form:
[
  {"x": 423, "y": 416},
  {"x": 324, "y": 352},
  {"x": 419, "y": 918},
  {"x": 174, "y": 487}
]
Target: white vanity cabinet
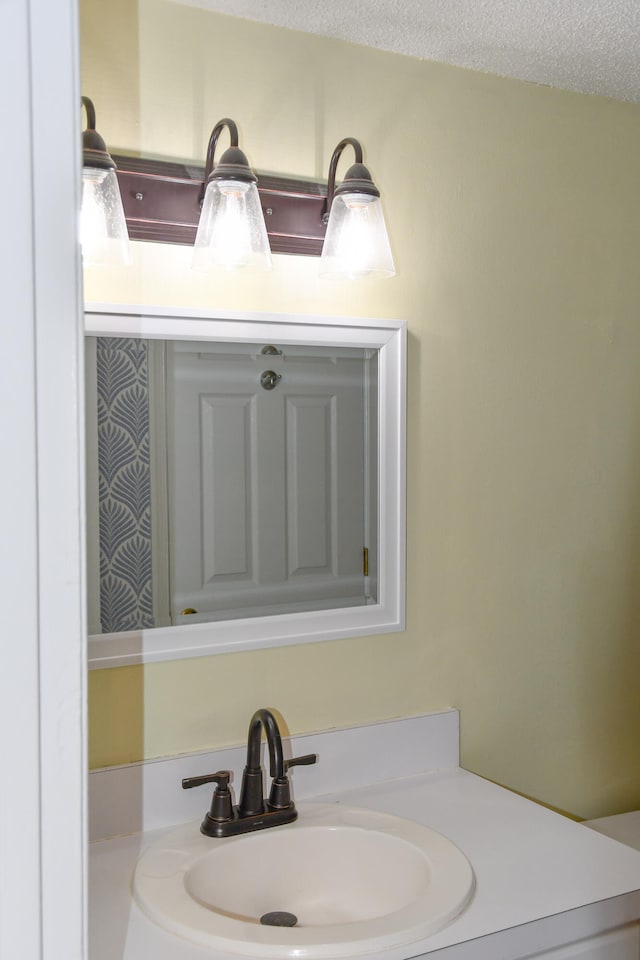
[
  {"x": 545, "y": 886},
  {"x": 622, "y": 944}
]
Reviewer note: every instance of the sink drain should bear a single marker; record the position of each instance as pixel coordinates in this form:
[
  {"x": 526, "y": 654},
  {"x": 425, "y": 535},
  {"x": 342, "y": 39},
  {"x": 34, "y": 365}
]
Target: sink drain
[{"x": 279, "y": 918}]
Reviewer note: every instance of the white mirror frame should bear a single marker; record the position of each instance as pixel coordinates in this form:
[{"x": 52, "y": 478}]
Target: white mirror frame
[{"x": 252, "y": 633}]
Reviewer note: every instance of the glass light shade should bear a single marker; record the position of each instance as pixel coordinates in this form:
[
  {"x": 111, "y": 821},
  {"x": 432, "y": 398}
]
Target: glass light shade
[
  {"x": 356, "y": 244},
  {"x": 103, "y": 228},
  {"x": 231, "y": 233}
]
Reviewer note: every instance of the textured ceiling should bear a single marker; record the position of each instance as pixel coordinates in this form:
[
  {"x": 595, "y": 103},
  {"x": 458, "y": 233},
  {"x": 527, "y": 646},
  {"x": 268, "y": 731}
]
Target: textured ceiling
[{"x": 591, "y": 46}]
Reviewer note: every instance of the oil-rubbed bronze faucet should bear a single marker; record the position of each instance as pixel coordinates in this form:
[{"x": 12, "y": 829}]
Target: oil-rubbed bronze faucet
[{"x": 253, "y": 812}]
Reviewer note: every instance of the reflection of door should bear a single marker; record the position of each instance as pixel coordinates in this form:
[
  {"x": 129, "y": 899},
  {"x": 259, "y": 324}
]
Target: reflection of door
[{"x": 266, "y": 487}]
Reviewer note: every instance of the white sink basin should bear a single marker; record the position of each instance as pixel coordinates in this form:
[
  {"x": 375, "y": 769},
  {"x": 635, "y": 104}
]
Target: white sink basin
[{"x": 356, "y": 880}]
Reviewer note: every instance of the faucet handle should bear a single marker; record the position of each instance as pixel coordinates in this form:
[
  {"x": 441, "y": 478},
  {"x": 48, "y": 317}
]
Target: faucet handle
[
  {"x": 280, "y": 795},
  {"x": 222, "y": 778},
  {"x": 305, "y": 761},
  {"x": 221, "y": 808}
]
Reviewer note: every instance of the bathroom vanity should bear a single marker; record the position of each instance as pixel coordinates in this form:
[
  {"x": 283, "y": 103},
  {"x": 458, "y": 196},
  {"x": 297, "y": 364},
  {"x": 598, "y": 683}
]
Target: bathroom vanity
[{"x": 544, "y": 886}]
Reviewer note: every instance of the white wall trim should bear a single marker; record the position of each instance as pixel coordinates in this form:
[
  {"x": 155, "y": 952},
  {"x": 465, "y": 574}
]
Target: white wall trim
[
  {"x": 19, "y": 709},
  {"x": 42, "y": 685}
]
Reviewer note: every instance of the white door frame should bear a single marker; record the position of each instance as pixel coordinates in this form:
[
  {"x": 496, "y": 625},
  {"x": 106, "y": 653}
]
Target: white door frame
[{"x": 42, "y": 683}]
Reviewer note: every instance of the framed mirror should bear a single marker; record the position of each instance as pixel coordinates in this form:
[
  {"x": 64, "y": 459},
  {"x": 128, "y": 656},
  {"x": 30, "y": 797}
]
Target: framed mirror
[{"x": 245, "y": 481}]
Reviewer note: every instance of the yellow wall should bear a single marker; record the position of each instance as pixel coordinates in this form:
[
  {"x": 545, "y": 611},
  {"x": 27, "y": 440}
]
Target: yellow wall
[{"x": 514, "y": 213}]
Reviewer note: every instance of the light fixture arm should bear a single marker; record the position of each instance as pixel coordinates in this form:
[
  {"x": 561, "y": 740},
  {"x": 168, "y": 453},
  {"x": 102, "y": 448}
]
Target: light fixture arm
[
  {"x": 91, "y": 113},
  {"x": 333, "y": 166},
  {"x": 213, "y": 143},
  {"x": 94, "y": 149},
  {"x": 233, "y": 164}
]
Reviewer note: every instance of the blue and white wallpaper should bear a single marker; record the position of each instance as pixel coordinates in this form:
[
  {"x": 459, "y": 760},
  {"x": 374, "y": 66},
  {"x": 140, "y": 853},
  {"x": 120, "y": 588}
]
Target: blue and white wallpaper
[{"x": 124, "y": 485}]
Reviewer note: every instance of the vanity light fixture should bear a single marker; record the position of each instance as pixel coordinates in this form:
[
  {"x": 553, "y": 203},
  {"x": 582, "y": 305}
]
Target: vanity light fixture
[
  {"x": 237, "y": 220},
  {"x": 231, "y": 231},
  {"x": 103, "y": 229},
  {"x": 356, "y": 245}
]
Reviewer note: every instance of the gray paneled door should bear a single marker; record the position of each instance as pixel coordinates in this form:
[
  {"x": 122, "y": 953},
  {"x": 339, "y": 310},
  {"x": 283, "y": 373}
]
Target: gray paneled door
[{"x": 267, "y": 493}]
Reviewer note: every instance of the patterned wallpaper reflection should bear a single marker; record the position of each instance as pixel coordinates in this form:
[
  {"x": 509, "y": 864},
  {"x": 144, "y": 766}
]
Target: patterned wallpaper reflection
[{"x": 124, "y": 485}]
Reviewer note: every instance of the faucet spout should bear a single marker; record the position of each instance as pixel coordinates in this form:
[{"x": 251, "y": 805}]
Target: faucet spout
[
  {"x": 251, "y": 795},
  {"x": 264, "y": 718}
]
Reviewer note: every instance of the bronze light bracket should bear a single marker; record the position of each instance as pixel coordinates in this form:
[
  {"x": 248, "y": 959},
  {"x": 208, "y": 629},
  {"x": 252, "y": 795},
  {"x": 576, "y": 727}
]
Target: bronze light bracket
[
  {"x": 233, "y": 163},
  {"x": 357, "y": 178},
  {"x": 162, "y": 200},
  {"x": 94, "y": 149}
]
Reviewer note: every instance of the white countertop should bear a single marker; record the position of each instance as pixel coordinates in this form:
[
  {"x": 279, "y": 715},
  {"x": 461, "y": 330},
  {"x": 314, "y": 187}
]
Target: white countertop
[{"x": 541, "y": 879}]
